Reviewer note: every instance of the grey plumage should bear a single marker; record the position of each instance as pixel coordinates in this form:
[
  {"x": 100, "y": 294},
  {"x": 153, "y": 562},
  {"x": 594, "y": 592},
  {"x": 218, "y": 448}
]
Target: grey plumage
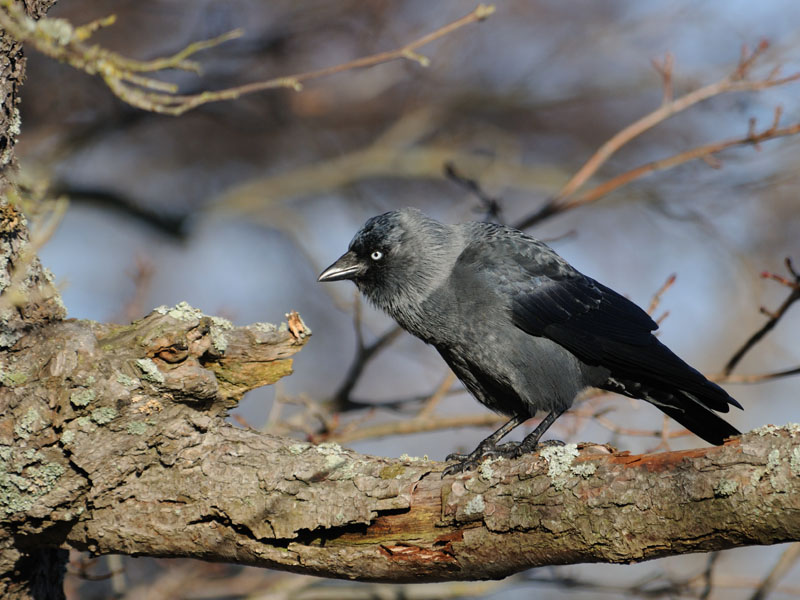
[{"x": 521, "y": 328}]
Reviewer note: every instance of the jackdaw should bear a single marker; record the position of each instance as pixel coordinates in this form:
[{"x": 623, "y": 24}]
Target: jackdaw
[{"x": 519, "y": 326}]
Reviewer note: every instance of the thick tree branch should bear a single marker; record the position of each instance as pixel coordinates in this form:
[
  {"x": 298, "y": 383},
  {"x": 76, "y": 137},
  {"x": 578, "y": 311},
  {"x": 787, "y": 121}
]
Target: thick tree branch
[{"x": 117, "y": 444}]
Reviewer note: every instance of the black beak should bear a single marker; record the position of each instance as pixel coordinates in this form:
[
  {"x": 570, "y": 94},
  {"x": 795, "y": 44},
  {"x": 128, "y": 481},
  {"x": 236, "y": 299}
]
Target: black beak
[{"x": 349, "y": 266}]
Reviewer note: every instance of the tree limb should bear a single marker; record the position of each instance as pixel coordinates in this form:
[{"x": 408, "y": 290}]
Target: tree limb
[{"x": 117, "y": 444}]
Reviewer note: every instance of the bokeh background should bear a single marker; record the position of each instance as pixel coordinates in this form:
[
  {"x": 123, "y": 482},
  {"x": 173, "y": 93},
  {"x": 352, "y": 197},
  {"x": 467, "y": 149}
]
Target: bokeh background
[{"x": 235, "y": 207}]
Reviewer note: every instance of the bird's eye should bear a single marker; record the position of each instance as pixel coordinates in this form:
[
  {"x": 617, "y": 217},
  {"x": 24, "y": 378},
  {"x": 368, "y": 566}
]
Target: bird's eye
[{"x": 376, "y": 255}]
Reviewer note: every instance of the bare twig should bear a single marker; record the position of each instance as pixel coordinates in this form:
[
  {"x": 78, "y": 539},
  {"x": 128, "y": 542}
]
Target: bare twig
[
  {"x": 787, "y": 560},
  {"x": 417, "y": 426},
  {"x": 364, "y": 354},
  {"x": 430, "y": 404},
  {"x": 656, "y": 299},
  {"x": 58, "y": 39},
  {"x": 701, "y": 152},
  {"x": 734, "y": 82},
  {"x": 491, "y": 206},
  {"x": 774, "y": 317}
]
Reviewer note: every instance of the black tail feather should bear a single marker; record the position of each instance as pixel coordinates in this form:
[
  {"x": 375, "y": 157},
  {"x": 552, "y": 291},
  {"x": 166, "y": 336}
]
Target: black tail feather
[
  {"x": 701, "y": 421},
  {"x": 686, "y": 408}
]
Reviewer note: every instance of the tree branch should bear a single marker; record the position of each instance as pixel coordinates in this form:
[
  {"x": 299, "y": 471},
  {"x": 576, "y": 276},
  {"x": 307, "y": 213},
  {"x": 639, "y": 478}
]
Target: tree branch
[
  {"x": 58, "y": 39},
  {"x": 736, "y": 81}
]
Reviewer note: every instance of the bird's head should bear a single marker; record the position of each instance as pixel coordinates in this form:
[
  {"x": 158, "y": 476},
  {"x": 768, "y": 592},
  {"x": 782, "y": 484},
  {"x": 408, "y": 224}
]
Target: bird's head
[{"x": 396, "y": 258}]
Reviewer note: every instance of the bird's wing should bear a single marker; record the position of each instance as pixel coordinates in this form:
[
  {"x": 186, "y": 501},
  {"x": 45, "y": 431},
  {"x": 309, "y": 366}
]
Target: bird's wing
[{"x": 601, "y": 327}]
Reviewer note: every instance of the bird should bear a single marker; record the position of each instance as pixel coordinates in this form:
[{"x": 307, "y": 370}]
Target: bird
[{"x": 523, "y": 330}]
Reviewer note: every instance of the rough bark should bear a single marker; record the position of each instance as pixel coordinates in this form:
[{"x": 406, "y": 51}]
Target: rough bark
[{"x": 80, "y": 402}]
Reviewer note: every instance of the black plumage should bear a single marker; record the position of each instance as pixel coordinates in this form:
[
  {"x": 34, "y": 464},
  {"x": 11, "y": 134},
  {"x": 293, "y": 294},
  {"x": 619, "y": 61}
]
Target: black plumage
[{"x": 520, "y": 327}]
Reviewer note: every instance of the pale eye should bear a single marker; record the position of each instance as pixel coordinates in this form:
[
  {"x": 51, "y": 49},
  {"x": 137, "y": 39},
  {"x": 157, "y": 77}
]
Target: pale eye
[{"x": 376, "y": 255}]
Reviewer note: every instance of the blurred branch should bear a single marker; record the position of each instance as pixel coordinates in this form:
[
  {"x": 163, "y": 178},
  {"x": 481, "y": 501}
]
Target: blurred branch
[
  {"x": 788, "y": 559},
  {"x": 735, "y": 82},
  {"x": 701, "y": 152},
  {"x": 59, "y": 39},
  {"x": 774, "y": 317}
]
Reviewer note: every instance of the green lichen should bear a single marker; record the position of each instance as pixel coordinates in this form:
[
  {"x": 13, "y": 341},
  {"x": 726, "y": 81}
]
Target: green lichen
[
  {"x": 136, "y": 428},
  {"x": 150, "y": 370},
  {"x": 264, "y": 327},
  {"x": 82, "y": 397},
  {"x": 475, "y": 505},
  {"x": 127, "y": 381},
  {"x": 84, "y": 423},
  {"x": 766, "y": 430},
  {"x": 218, "y": 338},
  {"x": 725, "y": 488},
  {"x": 794, "y": 462},
  {"x": 334, "y": 461},
  {"x": 26, "y": 425},
  {"x": 68, "y": 436},
  {"x": 299, "y": 448},
  {"x": 559, "y": 461},
  {"x": 14, "y": 378},
  {"x": 103, "y": 415},
  {"x": 183, "y": 311},
  {"x": 485, "y": 471},
  {"x": 585, "y": 470},
  {"x": 20, "y": 490},
  {"x": 392, "y": 471},
  {"x": 773, "y": 460},
  {"x": 328, "y": 448},
  {"x": 32, "y": 455},
  {"x": 406, "y": 458},
  {"x": 45, "y": 475}
]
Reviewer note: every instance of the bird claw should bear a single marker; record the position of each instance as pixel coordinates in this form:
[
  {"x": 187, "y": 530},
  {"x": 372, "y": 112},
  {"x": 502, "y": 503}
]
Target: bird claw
[{"x": 509, "y": 450}]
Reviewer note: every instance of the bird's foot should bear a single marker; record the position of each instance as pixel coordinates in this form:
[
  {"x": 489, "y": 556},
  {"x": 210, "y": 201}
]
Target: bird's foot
[{"x": 509, "y": 450}]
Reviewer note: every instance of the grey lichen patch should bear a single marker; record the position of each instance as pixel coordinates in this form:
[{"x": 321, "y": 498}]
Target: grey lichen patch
[
  {"x": 328, "y": 448},
  {"x": 794, "y": 462},
  {"x": 68, "y": 436},
  {"x": 183, "y": 311},
  {"x": 793, "y": 429},
  {"x": 766, "y": 430},
  {"x": 150, "y": 370},
  {"x": 485, "y": 471},
  {"x": 406, "y": 458},
  {"x": 299, "y": 448},
  {"x": 82, "y": 397},
  {"x": 725, "y": 488},
  {"x": 14, "y": 378},
  {"x": 264, "y": 327},
  {"x": 136, "y": 428},
  {"x": 475, "y": 506},
  {"x": 27, "y": 424},
  {"x": 773, "y": 460},
  {"x": 19, "y": 490},
  {"x": 334, "y": 461},
  {"x": 127, "y": 381},
  {"x": 559, "y": 462},
  {"x": 218, "y": 338},
  {"x": 85, "y": 424},
  {"x": 14, "y": 128},
  {"x": 104, "y": 415},
  {"x": 585, "y": 470}
]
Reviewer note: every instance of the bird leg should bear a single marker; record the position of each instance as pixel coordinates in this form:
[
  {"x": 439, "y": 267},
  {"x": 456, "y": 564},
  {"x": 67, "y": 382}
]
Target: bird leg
[
  {"x": 487, "y": 447},
  {"x": 531, "y": 441}
]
